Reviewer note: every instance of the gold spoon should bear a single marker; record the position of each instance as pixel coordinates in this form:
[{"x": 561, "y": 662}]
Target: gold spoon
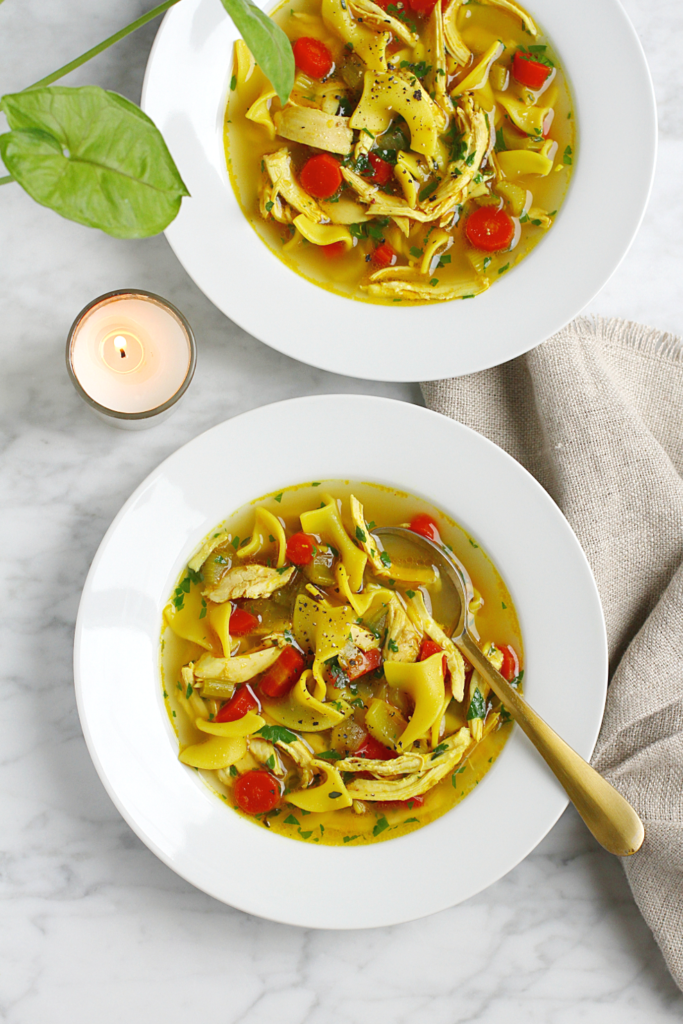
[{"x": 610, "y": 817}]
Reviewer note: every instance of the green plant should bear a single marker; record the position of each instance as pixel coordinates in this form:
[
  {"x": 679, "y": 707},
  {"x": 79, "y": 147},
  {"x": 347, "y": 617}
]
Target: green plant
[{"x": 96, "y": 158}]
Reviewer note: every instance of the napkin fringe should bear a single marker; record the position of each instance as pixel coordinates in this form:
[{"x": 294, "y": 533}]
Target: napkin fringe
[{"x": 629, "y": 334}]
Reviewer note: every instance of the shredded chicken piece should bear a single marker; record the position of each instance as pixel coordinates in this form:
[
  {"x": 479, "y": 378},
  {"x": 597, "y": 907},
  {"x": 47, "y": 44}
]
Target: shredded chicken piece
[
  {"x": 373, "y": 15},
  {"x": 403, "y": 640},
  {"x": 213, "y": 542},
  {"x": 302, "y": 757},
  {"x": 406, "y": 763},
  {"x": 240, "y": 669},
  {"x": 423, "y": 621},
  {"x": 417, "y": 292},
  {"x": 265, "y": 753},
  {"x": 249, "y": 581},
  {"x": 281, "y": 171},
  {"x": 417, "y": 783}
]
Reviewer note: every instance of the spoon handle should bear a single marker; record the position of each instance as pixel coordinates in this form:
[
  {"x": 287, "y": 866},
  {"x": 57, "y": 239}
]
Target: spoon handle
[{"x": 610, "y": 817}]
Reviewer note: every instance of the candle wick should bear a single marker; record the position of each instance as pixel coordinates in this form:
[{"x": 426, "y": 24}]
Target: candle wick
[{"x": 121, "y": 342}]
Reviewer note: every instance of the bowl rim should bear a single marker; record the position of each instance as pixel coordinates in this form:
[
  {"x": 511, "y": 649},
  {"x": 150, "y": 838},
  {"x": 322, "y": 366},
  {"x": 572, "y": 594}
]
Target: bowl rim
[
  {"x": 184, "y": 92},
  {"x": 110, "y": 749}
]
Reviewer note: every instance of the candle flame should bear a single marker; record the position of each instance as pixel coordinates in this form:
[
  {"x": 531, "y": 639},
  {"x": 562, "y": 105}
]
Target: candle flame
[{"x": 122, "y": 345}]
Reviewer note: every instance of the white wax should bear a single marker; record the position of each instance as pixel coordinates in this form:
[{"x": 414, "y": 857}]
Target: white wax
[{"x": 156, "y": 376}]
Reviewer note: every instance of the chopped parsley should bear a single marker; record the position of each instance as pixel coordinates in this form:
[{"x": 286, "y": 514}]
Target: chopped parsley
[
  {"x": 361, "y": 535},
  {"x": 392, "y": 645},
  {"x": 385, "y": 559},
  {"x": 477, "y": 708},
  {"x": 421, "y": 69},
  {"x": 233, "y": 83},
  {"x": 382, "y": 823},
  {"x": 278, "y": 497},
  {"x": 503, "y": 269},
  {"x": 410, "y": 593},
  {"x": 439, "y": 750},
  {"x": 277, "y": 734},
  {"x": 269, "y": 206},
  {"x": 567, "y": 156},
  {"x": 330, "y": 755},
  {"x": 291, "y": 820},
  {"x": 427, "y": 190}
]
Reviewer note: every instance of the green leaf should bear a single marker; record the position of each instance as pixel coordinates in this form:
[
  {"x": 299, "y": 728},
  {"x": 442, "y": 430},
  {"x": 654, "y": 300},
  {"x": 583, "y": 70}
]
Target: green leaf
[
  {"x": 291, "y": 820},
  {"x": 277, "y": 734},
  {"x": 269, "y": 45},
  {"x": 382, "y": 823},
  {"x": 477, "y": 708},
  {"x": 441, "y": 748},
  {"x": 92, "y": 156},
  {"x": 330, "y": 755}
]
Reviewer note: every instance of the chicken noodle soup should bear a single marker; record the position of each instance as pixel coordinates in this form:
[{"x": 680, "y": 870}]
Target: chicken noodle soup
[
  {"x": 309, "y": 673},
  {"x": 424, "y": 150}
]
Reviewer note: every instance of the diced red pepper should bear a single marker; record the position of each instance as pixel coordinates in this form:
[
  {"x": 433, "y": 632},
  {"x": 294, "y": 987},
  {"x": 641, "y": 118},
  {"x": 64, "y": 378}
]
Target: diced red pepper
[
  {"x": 334, "y": 250},
  {"x": 242, "y": 700},
  {"x": 426, "y": 526},
  {"x": 529, "y": 72},
  {"x": 242, "y": 622},
  {"x": 363, "y": 662},
  {"x": 373, "y": 750},
  {"x": 257, "y": 792},
  {"x": 384, "y": 255},
  {"x": 282, "y": 675},
  {"x": 312, "y": 57},
  {"x": 428, "y": 648},
  {"x": 510, "y": 667},
  {"x": 382, "y": 171},
  {"x": 300, "y": 546},
  {"x": 422, "y": 7}
]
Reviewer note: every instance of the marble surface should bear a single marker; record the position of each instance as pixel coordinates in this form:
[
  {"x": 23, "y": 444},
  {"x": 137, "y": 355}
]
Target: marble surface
[{"x": 95, "y": 928}]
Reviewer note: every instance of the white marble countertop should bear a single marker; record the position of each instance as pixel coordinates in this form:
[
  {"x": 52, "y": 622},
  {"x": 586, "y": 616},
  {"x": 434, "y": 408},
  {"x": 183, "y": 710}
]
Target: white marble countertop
[{"x": 95, "y": 927}]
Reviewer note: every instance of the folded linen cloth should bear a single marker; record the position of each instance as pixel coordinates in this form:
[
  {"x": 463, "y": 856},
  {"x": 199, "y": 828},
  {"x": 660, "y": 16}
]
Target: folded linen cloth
[{"x": 596, "y": 414}]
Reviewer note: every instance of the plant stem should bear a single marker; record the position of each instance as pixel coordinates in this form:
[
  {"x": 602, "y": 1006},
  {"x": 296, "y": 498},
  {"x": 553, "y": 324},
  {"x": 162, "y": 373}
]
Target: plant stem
[
  {"x": 6, "y": 180},
  {"x": 104, "y": 45}
]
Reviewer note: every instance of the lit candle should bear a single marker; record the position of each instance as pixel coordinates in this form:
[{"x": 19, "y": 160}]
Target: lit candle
[{"x": 131, "y": 356}]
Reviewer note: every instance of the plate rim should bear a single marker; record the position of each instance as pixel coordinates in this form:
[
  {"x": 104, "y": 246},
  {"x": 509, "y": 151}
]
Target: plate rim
[
  {"x": 448, "y": 359},
  {"x": 128, "y": 814}
]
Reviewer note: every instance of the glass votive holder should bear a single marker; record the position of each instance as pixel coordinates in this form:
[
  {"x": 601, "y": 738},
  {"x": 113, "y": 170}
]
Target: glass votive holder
[{"x": 131, "y": 356}]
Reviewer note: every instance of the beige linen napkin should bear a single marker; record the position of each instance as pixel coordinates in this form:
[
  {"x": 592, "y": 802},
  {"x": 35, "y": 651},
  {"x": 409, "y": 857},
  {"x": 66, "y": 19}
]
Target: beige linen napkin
[{"x": 596, "y": 414}]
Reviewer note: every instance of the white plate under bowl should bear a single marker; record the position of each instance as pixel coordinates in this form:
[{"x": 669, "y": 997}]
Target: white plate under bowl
[
  {"x": 118, "y": 686},
  {"x": 185, "y": 93}
]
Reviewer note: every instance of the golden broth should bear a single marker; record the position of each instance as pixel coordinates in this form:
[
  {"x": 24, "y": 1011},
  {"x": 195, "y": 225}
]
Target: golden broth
[
  {"x": 496, "y": 621},
  {"x": 456, "y": 269}
]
